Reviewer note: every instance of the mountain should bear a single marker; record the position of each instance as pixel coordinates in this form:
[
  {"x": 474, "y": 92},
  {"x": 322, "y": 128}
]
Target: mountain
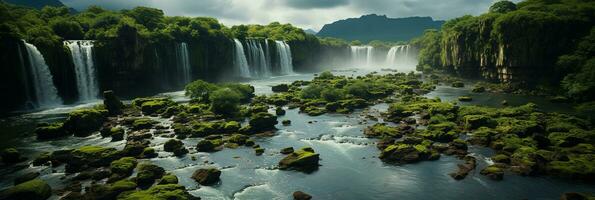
[
  {"x": 379, "y": 27},
  {"x": 38, "y": 4},
  {"x": 310, "y": 31}
]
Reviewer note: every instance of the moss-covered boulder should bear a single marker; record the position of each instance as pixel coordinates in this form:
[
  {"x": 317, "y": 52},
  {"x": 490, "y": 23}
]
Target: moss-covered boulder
[
  {"x": 406, "y": 153},
  {"x": 117, "y": 133},
  {"x": 83, "y": 122},
  {"x": 280, "y": 88},
  {"x": 112, "y": 103},
  {"x": 478, "y": 89},
  {"x": 476, "y": 121},
  {"x": 51, "y": 131},
  {"x": 89, "y": 156},
  {"x": 143, "y": 123},
  {"x": 458, "y": 84},
  {"x": 262, "y": 121},
  {"x": 35, "y": 189},
  {"x": 109, "y": 191},
  {"x": 207, "y": 176},
  {"x": 11, "y": 156},
  {"x": 494, "y": 172},
  {"x": 168, "y": 179},
  {"x": 207, "y": 145},
  {"x": 152, "y": 105},
  {"x": 501, "y": 158},
  {"x": 465, "y": 98},
  {"x": 465, "y": 168},
  {"x": 286, "y": 150},
  {"x": 149, "y": 152},
  {"x": 382, "y": 130},
  {"x": 304, "y": 159},
  {"x": 279, "y": 111},
  {"x": 123, "y": 166},
  {"x": 258, "y": 151},
  {"x": 147, "y": 173},
  {"x": 299, "y": 195},
  {"x": 286, "y": 122},
  {"x": 26, "y": 177},
  {"x": 175, "y": 146},
  {"x": 168, "y": 191}
]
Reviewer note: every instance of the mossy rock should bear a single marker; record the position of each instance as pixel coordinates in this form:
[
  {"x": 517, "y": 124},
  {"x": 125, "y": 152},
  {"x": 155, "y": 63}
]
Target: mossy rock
[
  {"x": 382, "y": 130},
  {"x": 152, "y": 105},
  {"x": 26, "y": 177},
  {"x": 259, "y": 151},
  {"x": 83, "y": 122},
  {"x": 208, "y": 176},
  {"x": 286, "y": 150},
  {"x": 237, "y": 139},
  {"x": 147, "y": 173},
  {"x": 168, "y": 191},
  {"x": 143, "y": 123},
  {"x": 501, "y": 158},
  {"x": 280, "y": 88},
  {"x": 90, "y": 156},
  {"x": 458, "y": 84},
  {"x": 168, "y": 179},
  {"x": 35, "y": 189},
  {"x": 11, "y": 156},
  {"x": 117, "y": 133},
  {"x": 123, "y": 166},
  {"x": 580, "y": 166},
  {"x": 279, "y": 111},
  {"x": 173, "y": 145},
  {"x": 286, "y": 122},
  {"x": 314, "y": 111},
  {"x": 493, "y": 172},
  {"x": 304, "y": 159},
  {"x": 206, "y": 145},
  {"x": 149, "y": 153},
  {"x": 262, "y": 121},
  {"x": 51, "y": 131},
  {"x": 476, "y": 121},
  {"x": 478, "y": 89},
  {"x": 231, "y": 126},
  {"x": 112, "y": 103},
  {"x": 465, "y": 98}
]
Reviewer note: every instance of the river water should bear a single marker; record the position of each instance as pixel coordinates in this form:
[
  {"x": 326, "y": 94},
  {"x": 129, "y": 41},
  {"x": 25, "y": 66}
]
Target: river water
[{"x": 350, "y": 168}]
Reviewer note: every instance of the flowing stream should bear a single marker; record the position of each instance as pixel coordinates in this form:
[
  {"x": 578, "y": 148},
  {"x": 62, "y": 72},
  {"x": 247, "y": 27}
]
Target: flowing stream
[{"x": 350, "y": 167}]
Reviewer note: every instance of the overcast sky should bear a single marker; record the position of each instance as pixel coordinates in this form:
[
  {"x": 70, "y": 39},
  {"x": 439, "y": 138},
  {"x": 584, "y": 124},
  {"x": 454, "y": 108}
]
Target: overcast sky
[{"x": 307, "y": 14}]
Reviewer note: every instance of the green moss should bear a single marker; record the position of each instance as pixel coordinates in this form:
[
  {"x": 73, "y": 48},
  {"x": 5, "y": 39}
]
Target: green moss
[
  {"x": 304, "y": 159},
  {"x": 35, "y": 189},
  {"x": 465, "y": 98},
  {"x": 82, "y": 122},
  {"x": 476, "y": 121},
  {"x": 123, "y": 166},
  {"x": 578, "y": 166},
  {"x": 51, "y": 131},
  {"x": 168, "y": 179},
  {"x": 501, "y": 158},
  {"x": 382, "y": 130},
  {"x": 143, "y": 123},
  {"x": 158, "y": 192}
]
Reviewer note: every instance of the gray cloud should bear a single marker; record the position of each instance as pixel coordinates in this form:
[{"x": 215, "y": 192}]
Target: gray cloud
[
  {"x": 307, "y": 4},
  {"x": 303, "y": 13}
]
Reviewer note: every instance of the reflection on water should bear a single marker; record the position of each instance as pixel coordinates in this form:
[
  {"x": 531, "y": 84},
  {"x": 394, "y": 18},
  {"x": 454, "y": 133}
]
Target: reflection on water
[{"x": 350, "y": 167}]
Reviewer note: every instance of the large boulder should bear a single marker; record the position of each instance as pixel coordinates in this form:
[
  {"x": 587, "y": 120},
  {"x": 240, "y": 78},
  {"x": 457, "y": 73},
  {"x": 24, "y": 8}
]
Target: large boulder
[
  {"x": 51, "y": 131},
  {"x": 112, "y": 103},
  {"x": 123, "y": 166},
  {"x": 35, "y": 189},
  {"x": 262, "y": 121},
  {"x": 208, "y": 176},
  {"x": 280, "y": 88},
  {"x": 83, "y": 122},
  {"x": 175, "y": 146},
  {"x": 11, "y": 156},
  {"x": 167, "y": 191},
  {"x": 147, "y": 173},
  {"x": 304, "y": 159},
  {"x": 494, "y": 172},
  {"x": 88, "y": 156}
]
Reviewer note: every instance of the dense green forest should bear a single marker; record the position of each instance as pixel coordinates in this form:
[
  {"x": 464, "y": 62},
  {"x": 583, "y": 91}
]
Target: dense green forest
[{"x": 540, "y": 44}]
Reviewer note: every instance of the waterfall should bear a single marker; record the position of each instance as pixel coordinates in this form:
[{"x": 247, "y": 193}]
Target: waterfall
[
  {"x": 45, "y": 92},
  {"x": 183, "y": 61},
  {"x": 362, "y": 56},
  {"x": 239, "y": 60},
  {"x": 257, "y": 60},
  {"x": 284, "y": 52},
  {"x": 86, "y": 75},
  {"x": 399, "y": 57}
]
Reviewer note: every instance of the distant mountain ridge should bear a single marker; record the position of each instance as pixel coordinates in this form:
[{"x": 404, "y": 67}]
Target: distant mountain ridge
[
  {"x": 379, "y": 27},
  {"x": 38, "y": 4}
]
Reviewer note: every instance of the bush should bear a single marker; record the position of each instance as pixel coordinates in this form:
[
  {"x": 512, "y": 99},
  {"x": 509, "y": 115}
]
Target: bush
[
  {"x": 332, "y": 94},
  {"x": 359, "y": 89},
  {"x": 200, "y": 90},
  {"x": 312, "y": 92},
  {"x": 225, "y": 101}
]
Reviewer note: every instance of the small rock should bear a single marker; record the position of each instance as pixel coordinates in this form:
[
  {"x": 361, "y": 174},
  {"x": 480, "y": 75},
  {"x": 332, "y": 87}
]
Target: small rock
[
  {"x": 207, "y": 176},
  {"x": 299, "y": 195}
]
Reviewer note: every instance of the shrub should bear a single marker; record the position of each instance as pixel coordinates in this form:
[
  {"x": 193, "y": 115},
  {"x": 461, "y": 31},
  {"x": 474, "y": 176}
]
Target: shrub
[{"x": 225, "y": 101}]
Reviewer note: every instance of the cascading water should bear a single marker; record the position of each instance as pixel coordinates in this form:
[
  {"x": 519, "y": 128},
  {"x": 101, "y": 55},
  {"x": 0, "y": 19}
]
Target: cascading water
[
  {"x": 284, "y": 52},
  {"x": 183, "y": 60},
  {"x": 45, "y": 93},
  {"x": 86, "y": 75},
  {"x": 362, "y": 56},
  {"x": 239, "y": 60},
  {"x": 257, "y": 60},
  {"x": 399, "y": 57}
]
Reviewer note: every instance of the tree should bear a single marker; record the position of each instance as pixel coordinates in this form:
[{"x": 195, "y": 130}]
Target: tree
[
  {"x": 332, "y": 94},
  {"x": 151, "y": 18},
  {"x": 67, "y": 29},
  {"x": 200, "y": 90},
  {"x": 225, "y": 101},
  {"x": 503, "y": 7}
]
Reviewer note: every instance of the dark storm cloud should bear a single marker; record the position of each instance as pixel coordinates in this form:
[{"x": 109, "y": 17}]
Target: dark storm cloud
[
  {"x": 303, "y": 13},
  {"x": 307, "y": 4}
]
